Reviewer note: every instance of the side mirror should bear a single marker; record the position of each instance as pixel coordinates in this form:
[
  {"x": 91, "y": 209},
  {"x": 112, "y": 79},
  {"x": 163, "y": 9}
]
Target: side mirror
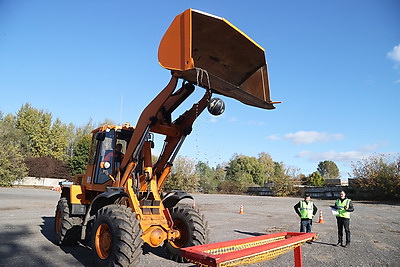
[{"x": 101, "y": 136}]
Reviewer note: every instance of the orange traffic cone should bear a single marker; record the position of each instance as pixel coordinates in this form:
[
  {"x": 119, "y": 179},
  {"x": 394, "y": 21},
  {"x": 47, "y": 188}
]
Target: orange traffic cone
[
  {"x": 241, "y": 209},
  {"x": 321, "y": 219}
]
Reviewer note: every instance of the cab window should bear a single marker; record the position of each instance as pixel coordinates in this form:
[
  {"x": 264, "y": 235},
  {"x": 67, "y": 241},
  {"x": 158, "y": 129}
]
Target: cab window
[{"x": 105, "y": 158}]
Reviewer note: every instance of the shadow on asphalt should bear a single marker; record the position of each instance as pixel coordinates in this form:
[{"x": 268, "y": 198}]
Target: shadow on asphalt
[
  {"x": 47, "y": 228},
  {"x": 249, "y": 233},
  {"x": 159, "y": 251},
  {"x": 323, "y": 243},
  {"x": 82, "y": 251},
  {"x": 12, "y": 244}
]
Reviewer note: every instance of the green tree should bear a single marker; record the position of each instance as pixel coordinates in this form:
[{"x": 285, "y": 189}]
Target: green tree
[
  {"x": 58, "y": 140},
  {"x": 316, "y": 179},
  {"x": 183, "y": 176},
  {"x": 267, "y": 164},
  {"x": 11, "y": 135},
  {"x": 220, "y": 172},
  {"x": 380, "y": 175},
  {"x": 12, "y": 166},
  {"x": 75, "y": 135},
  {"x": 245, "y": 169},
  {"x": 80, "y": 156},
  {"x": 328, "y": 169},
  {"x": 36, "y": 125},
  {"x": 45, "y": 138},
  {"x": 208, "y": 182}
]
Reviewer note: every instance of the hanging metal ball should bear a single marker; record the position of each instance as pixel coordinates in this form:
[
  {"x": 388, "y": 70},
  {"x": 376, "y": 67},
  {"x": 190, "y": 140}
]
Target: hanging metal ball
[{"x": 216, "y": 106}]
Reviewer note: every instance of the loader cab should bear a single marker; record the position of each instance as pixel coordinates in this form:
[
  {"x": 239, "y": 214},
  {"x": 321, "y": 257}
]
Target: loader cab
[{"x": 107, "y": 150}]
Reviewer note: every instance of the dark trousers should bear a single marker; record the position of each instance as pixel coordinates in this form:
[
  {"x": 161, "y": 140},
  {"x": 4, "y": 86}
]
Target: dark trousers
[
  {"x": 305, "y": 225},
  {"x": 343, "y": 223}
]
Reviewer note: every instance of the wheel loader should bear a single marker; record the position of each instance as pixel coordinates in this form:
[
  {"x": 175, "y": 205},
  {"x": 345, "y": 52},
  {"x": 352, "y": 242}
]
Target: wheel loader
[{"x": 119, "y": 203}]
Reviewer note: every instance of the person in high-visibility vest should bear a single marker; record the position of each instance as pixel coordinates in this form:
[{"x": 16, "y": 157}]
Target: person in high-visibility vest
[
  {"x": 306, "y": 210},
  {"x": 344, "y": 206}
]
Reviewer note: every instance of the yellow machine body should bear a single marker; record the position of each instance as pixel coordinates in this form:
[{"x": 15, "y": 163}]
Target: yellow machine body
[{"x": 203, "y": 50}]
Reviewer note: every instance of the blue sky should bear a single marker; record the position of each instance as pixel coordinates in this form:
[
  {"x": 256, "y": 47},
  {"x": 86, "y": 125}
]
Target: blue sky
[{"x": 335, "y": 65}]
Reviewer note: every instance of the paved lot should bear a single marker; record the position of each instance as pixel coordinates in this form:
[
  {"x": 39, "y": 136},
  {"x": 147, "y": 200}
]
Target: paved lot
[{"x": 27, "y": 230}]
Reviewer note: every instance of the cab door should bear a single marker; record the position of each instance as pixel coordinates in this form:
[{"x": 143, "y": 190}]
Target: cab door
[{"x": 104, "y": 166}]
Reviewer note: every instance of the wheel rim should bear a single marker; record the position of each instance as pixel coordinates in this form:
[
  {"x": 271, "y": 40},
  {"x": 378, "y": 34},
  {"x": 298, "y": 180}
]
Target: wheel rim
[
  {"x": 181, "y": 241},
  {"x": 103, "y": 241},
  {"x": 58, "y": 222}
]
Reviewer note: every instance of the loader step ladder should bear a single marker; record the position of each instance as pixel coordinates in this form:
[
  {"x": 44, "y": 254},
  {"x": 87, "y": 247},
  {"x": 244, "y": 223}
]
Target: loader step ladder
[{"x": 248, "y": 250}]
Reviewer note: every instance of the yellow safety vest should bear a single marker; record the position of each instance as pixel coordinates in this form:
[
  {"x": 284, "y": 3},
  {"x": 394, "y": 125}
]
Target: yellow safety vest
[
  {"x": 306, "y": 210},
  {"x": 341, "y": 211}
]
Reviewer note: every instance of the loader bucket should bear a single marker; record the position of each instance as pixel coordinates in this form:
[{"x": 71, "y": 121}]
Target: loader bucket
[{"x": 212, "y": 53}]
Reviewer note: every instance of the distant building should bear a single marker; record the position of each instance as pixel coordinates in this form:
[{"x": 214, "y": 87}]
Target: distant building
[
  {"x": 336, "y": 182},
  {"x": 333, "y": 182}
]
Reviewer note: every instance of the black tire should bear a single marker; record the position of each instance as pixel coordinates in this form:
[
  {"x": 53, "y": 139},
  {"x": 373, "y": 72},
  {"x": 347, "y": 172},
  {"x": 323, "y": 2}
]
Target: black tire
[
  {"x": 116, "y": 237},
  {"x": 193, "y": 230},
  {"x": 68, "y": 229}
]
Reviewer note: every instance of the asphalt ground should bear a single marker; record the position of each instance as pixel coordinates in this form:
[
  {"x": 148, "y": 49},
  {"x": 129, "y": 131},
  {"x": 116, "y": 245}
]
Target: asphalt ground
[{"x": 27, "y": 230}]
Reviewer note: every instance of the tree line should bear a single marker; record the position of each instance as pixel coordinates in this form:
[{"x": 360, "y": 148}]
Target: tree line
[
  {"x": 242, "y": 171},
  {"x": 35, "y": 144}
]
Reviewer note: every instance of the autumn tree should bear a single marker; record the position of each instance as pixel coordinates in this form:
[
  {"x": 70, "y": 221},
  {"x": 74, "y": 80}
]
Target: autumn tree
[
  {"x": 267, "y": 164},
  {"x": 183, "y": 176},
  {"x": 304, "y": 179},
  {"x": 380, "y": 175},
  {"x": 46, "y": 167},
  {"x": 282, "y": 182},
  {"x": 328, "y": 169},
  {"x": 316, "y": 179}
]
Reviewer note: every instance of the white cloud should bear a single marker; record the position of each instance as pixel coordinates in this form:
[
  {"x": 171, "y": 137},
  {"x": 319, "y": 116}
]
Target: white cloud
[
  {"x": 369, "y": 148},
  {"x": 213, "y": 120},
  {"x": 344, "y": 157},
  {"x": 394, "y": 54},
  {"x": 274, "y": 137},
  {"x": 308, "y": 137},
  {"x": 249, "y": 122},
  {"x": 232, "y": 119},
  {"x": 255, "y": 123}
]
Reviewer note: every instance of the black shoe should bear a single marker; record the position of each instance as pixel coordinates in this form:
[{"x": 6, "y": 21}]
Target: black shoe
[
  {"x": 339, "y": 244},
  {"x": 347, "y": 245}
]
